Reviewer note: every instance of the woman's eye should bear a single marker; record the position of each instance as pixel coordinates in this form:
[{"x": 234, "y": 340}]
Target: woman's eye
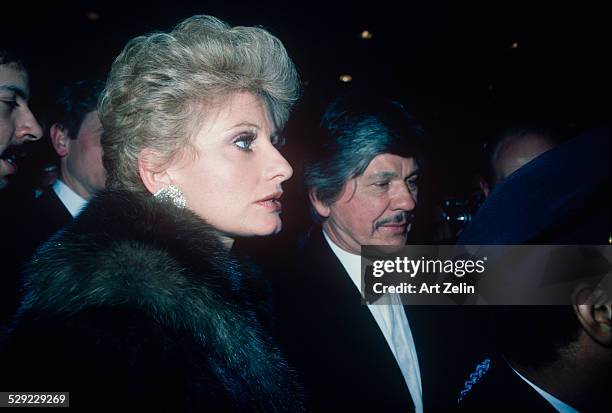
[
  {"x": 244, "y": 142},
  {"x": 381, "y": 184}
]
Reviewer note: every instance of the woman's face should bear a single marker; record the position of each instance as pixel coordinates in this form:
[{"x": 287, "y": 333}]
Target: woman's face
[{"x": 233, "y": 174}]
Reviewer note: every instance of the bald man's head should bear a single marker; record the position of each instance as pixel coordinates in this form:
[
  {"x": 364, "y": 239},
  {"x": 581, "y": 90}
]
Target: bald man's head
[{"x": 513, "y": 149}]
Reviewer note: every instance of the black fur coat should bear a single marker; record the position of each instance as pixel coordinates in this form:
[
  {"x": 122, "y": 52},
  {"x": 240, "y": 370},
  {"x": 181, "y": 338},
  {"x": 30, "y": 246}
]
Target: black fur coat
[{"x": 137, "y": 304}]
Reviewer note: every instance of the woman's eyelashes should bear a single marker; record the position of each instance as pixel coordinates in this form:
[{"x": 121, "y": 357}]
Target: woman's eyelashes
[{"x": 244, "y": 141}]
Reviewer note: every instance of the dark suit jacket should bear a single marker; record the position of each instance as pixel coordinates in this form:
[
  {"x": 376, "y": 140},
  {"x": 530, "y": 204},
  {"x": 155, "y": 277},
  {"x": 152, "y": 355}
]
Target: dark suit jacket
[
  {"x": 501, "y": 389},
  {"x": 339, "y": 351},
  {"x": 30, "y": 223},
  {"x": 48, "y": 215}
]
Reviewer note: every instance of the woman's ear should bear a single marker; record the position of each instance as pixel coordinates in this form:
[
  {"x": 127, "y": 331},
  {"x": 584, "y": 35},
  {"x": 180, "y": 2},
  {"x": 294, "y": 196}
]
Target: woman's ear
[
  {"x": 152, "y": 175},
  {"x": 321, "y": 208},
  {"x": 593, "y": 308}
]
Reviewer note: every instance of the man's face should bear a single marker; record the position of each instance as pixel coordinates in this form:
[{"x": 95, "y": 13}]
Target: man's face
[
  {"x": 374, "y": 208},
  {"x": 17, "y": 123},
  {"x": 83, "y": 170}
]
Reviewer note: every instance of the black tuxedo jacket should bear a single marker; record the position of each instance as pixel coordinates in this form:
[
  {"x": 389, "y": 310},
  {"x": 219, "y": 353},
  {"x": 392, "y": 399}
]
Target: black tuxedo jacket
[{"x": 339, "y": 351}]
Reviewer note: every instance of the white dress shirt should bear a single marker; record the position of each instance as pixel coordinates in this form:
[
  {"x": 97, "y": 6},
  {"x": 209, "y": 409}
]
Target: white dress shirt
[
  {"x": 393, "y": 323},
  {"x": 73, "y": 202},
  {"x": 560, "y": 406}
]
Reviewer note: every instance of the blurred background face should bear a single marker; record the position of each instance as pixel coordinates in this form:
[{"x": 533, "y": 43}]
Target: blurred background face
[
  {"x": 374, "y": 208},
  {"x": 17, "y": 123},
  {"x": 83, "y": 170},
  {"x": 233, "y": 174}
]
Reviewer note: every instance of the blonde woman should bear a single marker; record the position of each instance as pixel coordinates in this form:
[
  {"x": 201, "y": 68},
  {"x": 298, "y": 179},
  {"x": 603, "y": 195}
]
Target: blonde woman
[{"x": 140, "y": 302}]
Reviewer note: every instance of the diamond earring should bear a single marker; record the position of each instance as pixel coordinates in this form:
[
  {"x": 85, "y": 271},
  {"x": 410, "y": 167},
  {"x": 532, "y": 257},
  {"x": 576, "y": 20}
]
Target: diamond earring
[{"x": 171, "y": 194}]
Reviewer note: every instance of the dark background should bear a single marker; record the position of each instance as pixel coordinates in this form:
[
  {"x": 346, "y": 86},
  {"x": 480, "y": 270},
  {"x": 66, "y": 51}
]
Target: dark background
[{"x": 452, "y": 63}]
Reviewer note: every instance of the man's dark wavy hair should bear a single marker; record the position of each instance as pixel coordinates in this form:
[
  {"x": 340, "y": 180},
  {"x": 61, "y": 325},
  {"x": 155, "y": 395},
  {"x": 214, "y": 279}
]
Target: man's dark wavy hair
[{"x": 75, "y": 102}]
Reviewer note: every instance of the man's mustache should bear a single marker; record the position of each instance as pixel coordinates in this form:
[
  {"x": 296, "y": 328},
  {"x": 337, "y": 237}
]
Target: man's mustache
[
  {"x": 16, "y": 153},
  {"x": 402, "y": 217}
]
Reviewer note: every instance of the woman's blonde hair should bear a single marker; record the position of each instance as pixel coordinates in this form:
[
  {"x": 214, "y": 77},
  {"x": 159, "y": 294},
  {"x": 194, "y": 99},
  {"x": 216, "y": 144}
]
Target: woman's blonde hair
[{"x": 160, "y": 82}]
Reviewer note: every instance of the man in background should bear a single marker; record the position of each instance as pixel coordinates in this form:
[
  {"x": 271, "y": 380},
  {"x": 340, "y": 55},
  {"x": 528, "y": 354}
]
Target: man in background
[
  {"x": 75, "y": 135},
  {"x": 17, "y": 123},
  {"x": 512, "y": 149}
]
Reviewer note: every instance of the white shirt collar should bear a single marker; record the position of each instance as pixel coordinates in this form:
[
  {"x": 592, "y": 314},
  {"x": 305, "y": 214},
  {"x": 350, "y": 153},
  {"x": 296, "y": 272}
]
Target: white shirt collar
[
  {"x": 556, "y": 403},
  {"x": 350, "y": 262},
  {"x": 73, "y": 202}
]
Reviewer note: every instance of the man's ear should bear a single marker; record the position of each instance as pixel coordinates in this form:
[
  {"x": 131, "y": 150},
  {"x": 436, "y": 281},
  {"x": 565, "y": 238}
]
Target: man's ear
[
  {"x": 321, "y": 208},
  {"x": 153, "y": 177},
  {"x": 60, "y": 139},
  {"x": 593, "y": 308}
]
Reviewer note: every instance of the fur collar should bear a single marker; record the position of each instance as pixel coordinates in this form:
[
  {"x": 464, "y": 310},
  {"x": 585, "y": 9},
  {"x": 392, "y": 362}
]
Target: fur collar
[{"x": 136, "y": 252}]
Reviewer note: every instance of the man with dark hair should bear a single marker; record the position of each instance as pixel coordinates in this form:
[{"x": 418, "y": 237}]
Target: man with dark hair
[
  {"x": 17, "y": 123},
  {"x": 75, "y": 136},
  {"x": 362, "y": 184}
]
